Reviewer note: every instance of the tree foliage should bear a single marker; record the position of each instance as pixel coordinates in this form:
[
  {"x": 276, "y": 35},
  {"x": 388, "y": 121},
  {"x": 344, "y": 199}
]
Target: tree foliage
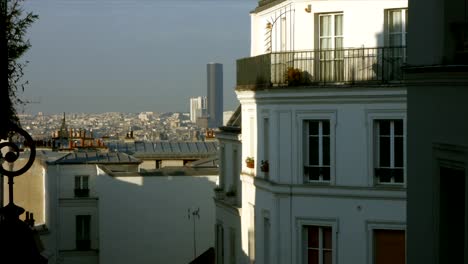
[{"x": 14, "y": 26}]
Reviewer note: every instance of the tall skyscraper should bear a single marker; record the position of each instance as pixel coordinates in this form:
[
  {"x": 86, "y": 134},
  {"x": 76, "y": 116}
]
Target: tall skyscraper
[
  {"x": 215, "y": 94},
  {"x": 197, "y": 108}
]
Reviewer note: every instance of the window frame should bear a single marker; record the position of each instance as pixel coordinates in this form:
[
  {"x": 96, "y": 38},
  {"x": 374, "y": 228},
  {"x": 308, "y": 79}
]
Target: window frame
[
  {"x": 392, "y": 155},
  {"x": 371, "y": 117},
  {"x": 302, "y": 143},
  {"x": 404, "y": 26},
  {"x": 302, "y": 223},
  {"x": 333, "y": 36},
  {"x": 372, "y": 225},
  {"x": 80, "y": 225},
  {"x": 80, "y": 179}
]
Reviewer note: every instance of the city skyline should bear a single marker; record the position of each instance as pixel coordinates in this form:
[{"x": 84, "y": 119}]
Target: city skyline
[{"x": 130, "y": 56}]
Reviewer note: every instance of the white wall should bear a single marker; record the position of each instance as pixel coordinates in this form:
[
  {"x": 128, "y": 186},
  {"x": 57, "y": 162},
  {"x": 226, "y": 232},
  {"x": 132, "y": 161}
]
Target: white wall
[
  {"x": 145, "y": 219},
  {"x": 351, "y": 202},
  {"x": 363, "y": 23}
]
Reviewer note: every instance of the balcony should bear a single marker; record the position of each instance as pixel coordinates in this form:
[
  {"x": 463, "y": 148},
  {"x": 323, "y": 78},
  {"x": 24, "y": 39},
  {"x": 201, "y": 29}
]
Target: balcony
[
  {"x": 322, "y": 67},
  {"x": 83, "y": 244},
  {"x": 81, "y": 192}
]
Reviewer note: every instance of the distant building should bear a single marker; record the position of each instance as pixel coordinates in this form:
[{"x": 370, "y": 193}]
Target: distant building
[
  {"x": 197, "y": 108},
  {"x": 215, "y": 94}
]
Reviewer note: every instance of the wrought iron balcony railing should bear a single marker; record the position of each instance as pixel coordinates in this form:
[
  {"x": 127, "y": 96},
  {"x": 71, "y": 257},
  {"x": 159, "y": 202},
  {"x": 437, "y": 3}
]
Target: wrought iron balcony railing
[
  {"x": 81, "y": 192},
  {"x": 337, "y": 66}
]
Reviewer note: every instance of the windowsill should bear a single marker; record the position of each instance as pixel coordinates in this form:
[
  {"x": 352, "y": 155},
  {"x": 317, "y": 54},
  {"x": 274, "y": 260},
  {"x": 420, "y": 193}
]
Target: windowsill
[
  {"x": 325, "y": 183},
  {"x": 390, "y": 185}
]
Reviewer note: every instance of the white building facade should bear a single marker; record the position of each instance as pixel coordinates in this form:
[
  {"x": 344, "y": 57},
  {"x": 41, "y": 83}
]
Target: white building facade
[{"x": 324, "y": 123}]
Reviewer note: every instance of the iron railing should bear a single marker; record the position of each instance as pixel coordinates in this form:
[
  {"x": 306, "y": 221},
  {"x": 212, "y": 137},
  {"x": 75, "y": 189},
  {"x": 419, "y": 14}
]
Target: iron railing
[{"x": 339, "y": 66}]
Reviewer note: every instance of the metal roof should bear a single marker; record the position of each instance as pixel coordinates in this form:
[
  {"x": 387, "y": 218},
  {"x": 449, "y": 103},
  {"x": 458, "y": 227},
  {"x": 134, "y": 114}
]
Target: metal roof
[
  {"x": 180, "y": 149},
  {"x": 97, "y": 158}
]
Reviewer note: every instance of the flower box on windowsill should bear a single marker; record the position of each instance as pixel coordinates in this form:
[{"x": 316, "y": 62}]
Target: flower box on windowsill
[
  {"x": 219, "y": 193},
  {"x": 265, "y": 167},
  {"x": 250, "y": 162},
  {"x": 231, "y": 199}
]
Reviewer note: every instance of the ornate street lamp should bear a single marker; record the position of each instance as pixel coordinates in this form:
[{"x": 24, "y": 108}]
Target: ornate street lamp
[{"x": 19, "y": 242}]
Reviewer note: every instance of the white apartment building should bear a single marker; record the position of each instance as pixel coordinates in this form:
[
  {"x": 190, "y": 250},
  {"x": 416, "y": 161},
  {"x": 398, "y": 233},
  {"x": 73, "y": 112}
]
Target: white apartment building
[
  {"x": 74, "y": 203},
  {"x": 101, "y": 207},
  {"x": 198, "y": 106},
  {"x": 324, "y": 130}
]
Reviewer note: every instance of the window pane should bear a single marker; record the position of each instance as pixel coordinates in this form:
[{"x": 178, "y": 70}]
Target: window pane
[
  {"x": 398, "y": 127},
  {"x": 77, "y": 182},
  {"x": 395, "y": 21},
  {"x": 399, "y": 152},
  {"x": 325, "y": 43},
  {"x": 85, "y": 182},
  {"x": 327, "y": 237},
  {"x": 325, "y": 26},
  {"x": 79, "y": 227},
  {"x": 395, "y": 40},
  {"x": 398, "y": 175},
  {"x": 325, "y": 127},
  {"x": 313, "y": 151},
  {"x": 325, "y": 171},
  {"x": 312, "y": 237},
  {"x": 326, "y": 150},
  {"x": 384, "y": 127},
  {"x": 313, "y": 127},
  {"x": 312, "y": 256},
  {"x": 86, "y": 227},
  {"x": 338, "y": 25},
  {"x": 327, "y": 257},
  {"x": 384, "y": 152},
  {"x": 384, "y": 175},
  {"x": 312, "y": 173},
  {"x": 339, "y": 45}
]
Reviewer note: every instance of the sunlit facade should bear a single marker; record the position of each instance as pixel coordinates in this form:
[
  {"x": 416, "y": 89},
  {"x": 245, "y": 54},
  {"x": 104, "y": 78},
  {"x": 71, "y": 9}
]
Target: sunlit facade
[{"x": 323, "y": 119}]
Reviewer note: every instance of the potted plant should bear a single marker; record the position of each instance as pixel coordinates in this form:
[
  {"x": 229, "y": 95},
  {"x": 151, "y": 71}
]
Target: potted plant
[
  {"x": 293, "y": 76},
  {"x": 219, "y": 192},
  {"x": 265, "y": 167},
  {"x": 250, "y": 162}
]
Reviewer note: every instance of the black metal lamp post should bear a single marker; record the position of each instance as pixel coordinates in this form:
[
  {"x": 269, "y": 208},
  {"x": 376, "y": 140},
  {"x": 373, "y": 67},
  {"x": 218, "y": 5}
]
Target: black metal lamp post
[{"x": 18, "y": 240}]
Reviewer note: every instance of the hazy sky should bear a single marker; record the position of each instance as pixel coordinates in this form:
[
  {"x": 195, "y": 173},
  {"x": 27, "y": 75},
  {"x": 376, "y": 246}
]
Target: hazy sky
[{"x": 132, "y": 55}]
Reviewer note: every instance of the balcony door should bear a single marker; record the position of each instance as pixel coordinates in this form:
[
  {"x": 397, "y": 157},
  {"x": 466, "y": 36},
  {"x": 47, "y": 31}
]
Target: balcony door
[{"x": 331, "y": 52}]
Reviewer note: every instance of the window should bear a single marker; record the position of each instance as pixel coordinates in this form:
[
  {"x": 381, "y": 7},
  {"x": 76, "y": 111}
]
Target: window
[
  {"x": 82, "y": 186},
  {"x": 83, "y": 232},
  {"x": 219, "y": 243},
  {"x": 317, "y": 151},
  {"x": 232, "y": 246},
  {"x": 389, "y": 151},
  {"x": 318, "y": 245},
  {"x": 396, "y": 27},
  {"x": 389, "y": 246},
  {"x": 331, "y": 44}
]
